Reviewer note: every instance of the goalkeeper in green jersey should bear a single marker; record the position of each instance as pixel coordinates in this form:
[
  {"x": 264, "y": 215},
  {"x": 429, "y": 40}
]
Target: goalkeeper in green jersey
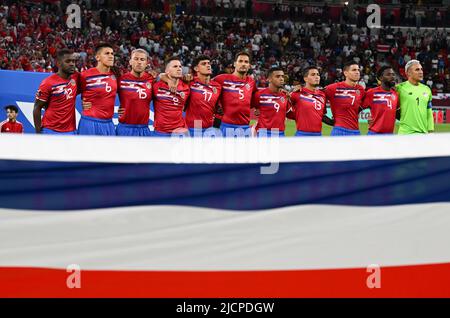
[{"x": 416, "y": 115}]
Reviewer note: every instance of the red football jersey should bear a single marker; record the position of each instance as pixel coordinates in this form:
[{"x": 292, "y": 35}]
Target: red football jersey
[
  {"x": 345, "y": 101},
  {"x": 202, "y": 103},
  {"x": 99, "y": 89},
  {"x": 11, "y": 127},
  {"x": 272, "y": 107},
  {"x": 135, "y": 95},
  {"x": 60, "y": 95},
  {"x": 309, "y": 107},
  {"x": 236, "y": 98},
  {"x": 169, "y": 107},
  {"x": 383, "y": 107}
]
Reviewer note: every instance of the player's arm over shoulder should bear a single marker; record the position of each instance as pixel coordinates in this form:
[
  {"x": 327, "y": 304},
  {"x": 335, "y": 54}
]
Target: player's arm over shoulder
[
  {"x": 329, "y": 90},
  {"x": 219, "y": 78}
]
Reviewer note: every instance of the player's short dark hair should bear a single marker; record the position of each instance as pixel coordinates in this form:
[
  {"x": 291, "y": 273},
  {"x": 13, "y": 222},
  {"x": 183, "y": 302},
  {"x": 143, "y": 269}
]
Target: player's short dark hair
[
  {"x": 348, "y": 64},
  {"x": 12, "y": 108},
  {"x": 243, "y": 53},
  {"x": 172, "y": 58},
  {"x": 306, "y": 70},
  {"x": 63, "y": 52},
  {"x": 274, "y": 69},
  {"x": 380, "y": 72},
  {"x": 200, "y": 58},
  {"x": 102, "y": 45}
]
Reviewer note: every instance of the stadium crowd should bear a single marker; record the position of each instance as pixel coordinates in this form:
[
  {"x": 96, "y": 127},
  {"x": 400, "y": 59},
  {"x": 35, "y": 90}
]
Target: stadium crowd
[{"x": 30, "y": 36}]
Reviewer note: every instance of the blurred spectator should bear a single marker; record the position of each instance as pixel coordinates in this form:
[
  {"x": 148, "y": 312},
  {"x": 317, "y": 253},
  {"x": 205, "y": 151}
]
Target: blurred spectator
[{"x": 31, "y": 34}]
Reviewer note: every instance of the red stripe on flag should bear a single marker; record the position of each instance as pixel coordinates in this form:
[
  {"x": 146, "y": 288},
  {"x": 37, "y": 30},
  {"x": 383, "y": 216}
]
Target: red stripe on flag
[{"x": 402, "y": 281}]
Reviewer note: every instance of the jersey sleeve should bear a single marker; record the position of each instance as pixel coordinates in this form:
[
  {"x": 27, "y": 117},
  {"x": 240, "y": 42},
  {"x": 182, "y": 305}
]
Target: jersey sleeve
[
  {"x": 219, "y": 79},
  {"x": 255, "y": 88},
  {"x": 325, "y": 99},
  {"x": 367, "y": 100},
  {"x": 290, "y": 110},
  {"x": 398, "y": 100},
  {"x": 363, "y": 93},
  {"x": 44, "y": 91},
  {"x": 77, "y": 77},
  {"x": 430, "y": 113},
  {"x": 330, "y": 91},
  {"x": 255, "y": 100},
  {"x": 291, "y": 106}
]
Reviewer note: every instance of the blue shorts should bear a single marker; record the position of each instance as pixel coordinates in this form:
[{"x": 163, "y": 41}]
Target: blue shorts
[
  {"x": 371, "y": 133},
  {"x": 167, "y": 135},
  {"x": 269, "y": 133},
  {"x": 47, "y": 131},
  {"x": 205, "y": 132},
  {"x": 95, "y": 126},
  {"x": 300, "y": 133},
  {"x": 133, "y": 130},
  {"x": 230, "y": 130},
  {"x": 340, "y": 131}
]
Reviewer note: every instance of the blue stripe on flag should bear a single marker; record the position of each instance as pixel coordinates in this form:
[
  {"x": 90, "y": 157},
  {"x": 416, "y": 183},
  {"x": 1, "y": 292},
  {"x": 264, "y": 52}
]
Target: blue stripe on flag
[{"x": 66, "y": 186}]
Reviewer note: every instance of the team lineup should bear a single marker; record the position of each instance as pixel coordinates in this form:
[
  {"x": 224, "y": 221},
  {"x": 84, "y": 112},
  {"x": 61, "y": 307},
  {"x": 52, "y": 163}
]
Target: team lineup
[{"x": 200, "y": 105}]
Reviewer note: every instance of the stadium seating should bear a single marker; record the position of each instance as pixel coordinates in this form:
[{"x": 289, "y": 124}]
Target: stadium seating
[{"x": 31, "y": 32}]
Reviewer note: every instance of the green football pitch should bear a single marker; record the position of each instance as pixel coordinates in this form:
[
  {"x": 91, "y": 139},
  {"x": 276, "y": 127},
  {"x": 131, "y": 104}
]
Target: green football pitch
[{"x": 363, "y": 127}]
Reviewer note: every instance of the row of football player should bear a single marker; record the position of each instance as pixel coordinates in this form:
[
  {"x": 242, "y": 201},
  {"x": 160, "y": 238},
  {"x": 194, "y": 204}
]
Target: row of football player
[{"x": 224, "y": 101}]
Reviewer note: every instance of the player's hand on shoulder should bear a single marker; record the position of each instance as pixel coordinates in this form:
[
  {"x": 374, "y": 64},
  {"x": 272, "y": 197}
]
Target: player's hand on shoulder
[
  {"x": 296, "y": 88},
  {"x": 285, "y": 91},
  {"x": 121, "y": 111},
  {"x": 173, "y": 86},
  {"x": 86, "y": 105},
  {"x": 153, "y": 73},
  {"x": 188, "y": 78},
  {"x": 219, "y": 110}
]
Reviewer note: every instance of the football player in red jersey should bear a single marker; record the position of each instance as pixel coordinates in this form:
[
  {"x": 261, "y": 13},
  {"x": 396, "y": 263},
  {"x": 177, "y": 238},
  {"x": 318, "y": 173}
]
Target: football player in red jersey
[
  {"x": 236, "y": 97},
  {"x": 98, "y": 87},
  {"x": 135, "y": 94},
  {"x": 57, "y": 94},
  {"x": 309, "y": 105},
  {"x": 11, "y": 124},
  {"x": 169, "y": 105},
  {"x": 383, "y": 103},
  {"x": 271, "y": 105},
  {"x": 345, "y": 101},
  {"x": 203, "y": 100}
]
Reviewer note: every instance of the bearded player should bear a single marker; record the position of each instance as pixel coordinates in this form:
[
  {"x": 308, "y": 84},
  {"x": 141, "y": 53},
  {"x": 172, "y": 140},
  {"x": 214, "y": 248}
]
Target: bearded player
[
  {"x": 383, "y": 103},
  {"x": 272, "y": 104},
  {"x": 236, "y": 98},
  {"x": 57, "y": 94}
]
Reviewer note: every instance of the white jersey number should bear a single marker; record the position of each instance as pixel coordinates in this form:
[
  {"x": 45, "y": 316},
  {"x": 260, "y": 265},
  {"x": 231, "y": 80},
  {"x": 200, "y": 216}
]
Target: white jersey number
[
  {"x": 69, "y": 93},
  {"x": 241, "y": 94},
  {"x": 207, "y": 95},
  {"x": 142, "y": 93},
  {"x": 318, "y": 105},
  {"x": 276, "y": 106}
]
